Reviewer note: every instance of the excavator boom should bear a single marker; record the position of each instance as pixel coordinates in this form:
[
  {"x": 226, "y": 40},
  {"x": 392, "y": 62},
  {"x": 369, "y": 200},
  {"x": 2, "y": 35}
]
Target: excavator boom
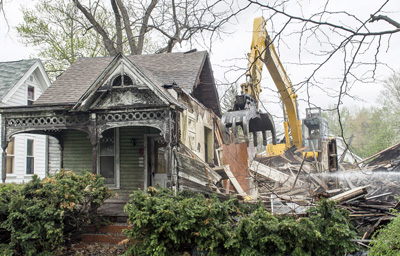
[{"x": 245, "y": 112}]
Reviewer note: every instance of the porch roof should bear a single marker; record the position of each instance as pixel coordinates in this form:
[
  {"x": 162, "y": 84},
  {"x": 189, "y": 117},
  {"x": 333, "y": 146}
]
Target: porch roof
[{"x": 182, "y": 68}]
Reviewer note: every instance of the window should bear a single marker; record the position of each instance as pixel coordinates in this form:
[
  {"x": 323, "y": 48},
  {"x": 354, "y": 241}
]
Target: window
[
  {"x": 10, "y": 157},
  {"x": 31, "y": 94},
  {"x": 122, "y": 80},
  {"x": 107, "y": 156},
  {"x": 29, "y": 157}
]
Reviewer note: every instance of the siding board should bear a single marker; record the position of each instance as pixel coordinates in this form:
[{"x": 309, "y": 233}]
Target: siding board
[
  {"x": 77, "y": 153},
  {"x": 131, "y": 173}
]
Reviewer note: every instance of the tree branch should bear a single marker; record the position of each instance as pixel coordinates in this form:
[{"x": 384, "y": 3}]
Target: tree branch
[
  {"x": 117, "y": 25},
  {"x": 128, "y": 29},
  {"x": 145, "y": 25},
  {"x": 385, "y": 18},
  {"x": 108, "y": 43}
]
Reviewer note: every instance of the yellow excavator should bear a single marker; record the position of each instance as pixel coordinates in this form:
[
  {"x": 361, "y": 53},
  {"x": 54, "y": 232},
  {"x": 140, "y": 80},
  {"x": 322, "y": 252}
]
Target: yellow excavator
[{"x": 310, "y": 136}]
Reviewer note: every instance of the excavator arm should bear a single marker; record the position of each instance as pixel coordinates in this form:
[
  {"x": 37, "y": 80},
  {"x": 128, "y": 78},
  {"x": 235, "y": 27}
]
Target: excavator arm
[
  {"x": 285, "y": 89},
  {"x": 262, "y": 52},
  {"x": 245, "y": 112}
]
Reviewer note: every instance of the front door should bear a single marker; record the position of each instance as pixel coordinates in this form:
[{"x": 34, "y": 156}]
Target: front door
[
  {"x": 108, "y": 157},
  {"x": 157, "y": 162}
]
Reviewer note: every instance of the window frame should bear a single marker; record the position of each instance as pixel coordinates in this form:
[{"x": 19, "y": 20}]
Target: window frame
[
  {"x": 30, "y": 100},
  {"x": 116, "y": 184},
  {"x": 10, "y": 156},
  {"x": 30, "y": 157}
]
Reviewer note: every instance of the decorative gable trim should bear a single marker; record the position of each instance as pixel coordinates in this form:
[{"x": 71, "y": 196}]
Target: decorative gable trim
[{"x": 122, "y": 66}]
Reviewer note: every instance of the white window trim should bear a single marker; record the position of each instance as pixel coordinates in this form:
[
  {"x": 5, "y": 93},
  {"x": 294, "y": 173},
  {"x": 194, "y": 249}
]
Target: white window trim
[
  {"x": 27, "y": 93},
  {"x": 13, "y": 140},
  {"x": 33, "y": 156}
]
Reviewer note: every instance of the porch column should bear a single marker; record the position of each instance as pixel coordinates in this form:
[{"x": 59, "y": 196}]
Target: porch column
[
  {"x": 94, "y": 158},
  {"x": 4, "y": 144},
  {"x": 4, "y": 164},
  {"x": 93, "y": 137}
]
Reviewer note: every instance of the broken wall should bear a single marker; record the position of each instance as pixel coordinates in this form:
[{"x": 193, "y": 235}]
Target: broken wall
[{"x": 197, "y": 128}]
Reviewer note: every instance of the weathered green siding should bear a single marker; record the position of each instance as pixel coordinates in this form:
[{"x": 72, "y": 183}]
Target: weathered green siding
[
  {"x": 77, "y": 151},
  {"x": 132, "y": 157},
  {"x": 77, "y": 155},
  {"x": 131, "y": 173}
]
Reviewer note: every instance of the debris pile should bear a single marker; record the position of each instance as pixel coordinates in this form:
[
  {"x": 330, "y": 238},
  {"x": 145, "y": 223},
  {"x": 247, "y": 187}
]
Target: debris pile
[{"x": 289, "y": 184}]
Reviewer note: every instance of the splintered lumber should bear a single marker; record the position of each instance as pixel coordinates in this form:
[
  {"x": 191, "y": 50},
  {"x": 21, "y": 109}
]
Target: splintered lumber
[
  {"x": 233, "y": 180},
  {"x": 377, "y": 154},
  {"x": 298, "y": 173},
  {"x": 307, "y": 168},
  {"x": 349, "y": 194},
  {"x": 193, "y": 174},
  {"x": 272, "y": 174}
]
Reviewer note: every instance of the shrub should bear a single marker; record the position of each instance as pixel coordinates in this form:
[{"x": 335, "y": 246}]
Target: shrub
[
  {"x": 386, "y": 241},
  {"x": 44, "y": 214},
  {"x": 326, "y": 232},
  {"x": 164, "y": 224}
]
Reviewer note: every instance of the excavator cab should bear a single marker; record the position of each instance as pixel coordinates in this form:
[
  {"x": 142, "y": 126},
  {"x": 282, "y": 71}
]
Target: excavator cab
[
  {"x": 315, "y": 129},
  {"x": 246, "y": 115}
]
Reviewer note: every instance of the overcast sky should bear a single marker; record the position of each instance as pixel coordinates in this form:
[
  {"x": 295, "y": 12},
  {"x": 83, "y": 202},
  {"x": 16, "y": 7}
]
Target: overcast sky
[{"x": 230, "y": 52}]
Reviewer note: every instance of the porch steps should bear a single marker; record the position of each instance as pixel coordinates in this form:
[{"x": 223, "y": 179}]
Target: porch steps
[
  {"x": 109, "y": 234},
  {"x": 122, "y": 196}
]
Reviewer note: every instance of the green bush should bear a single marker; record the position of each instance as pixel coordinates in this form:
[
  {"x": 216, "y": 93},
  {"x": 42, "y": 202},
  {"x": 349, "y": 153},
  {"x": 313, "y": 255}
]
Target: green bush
[
  {"x": 164, "y": 224},
  {"x": 44, "y": 214},
  {"x": 326, "y": 232},
  {"x": 386, "y": 241}
]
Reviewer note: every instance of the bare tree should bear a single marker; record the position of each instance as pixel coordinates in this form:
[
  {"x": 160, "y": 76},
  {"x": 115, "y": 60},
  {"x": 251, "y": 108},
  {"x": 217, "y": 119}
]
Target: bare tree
[{"x": 165, "y": 23}]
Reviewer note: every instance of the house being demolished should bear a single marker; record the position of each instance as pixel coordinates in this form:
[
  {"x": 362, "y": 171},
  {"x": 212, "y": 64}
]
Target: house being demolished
[
  {"x": 137, "y": 120},
  {"x": 145, "y": 120}
]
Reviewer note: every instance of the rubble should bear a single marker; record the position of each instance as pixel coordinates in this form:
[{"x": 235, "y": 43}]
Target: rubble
[{"x": 290, "y": 184}]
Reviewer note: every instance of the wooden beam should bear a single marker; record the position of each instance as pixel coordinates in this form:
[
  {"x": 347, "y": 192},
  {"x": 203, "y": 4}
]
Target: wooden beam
[
  {"x": 349, "y": 194},
  {"x": 233, "y": 180},
  {"x": 273, "y": 174},
  {"x": 377, "y": 154}
]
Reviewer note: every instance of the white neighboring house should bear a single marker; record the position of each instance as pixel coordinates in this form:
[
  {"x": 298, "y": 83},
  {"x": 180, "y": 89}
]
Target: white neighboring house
[{"x": 21, "y": 83}]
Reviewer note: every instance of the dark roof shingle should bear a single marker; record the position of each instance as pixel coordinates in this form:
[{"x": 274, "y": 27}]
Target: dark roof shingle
[{"x": 181, "y": 68}]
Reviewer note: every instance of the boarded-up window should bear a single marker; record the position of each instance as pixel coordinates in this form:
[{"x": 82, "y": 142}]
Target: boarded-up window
[
  {"x": 10, "y": 156},
  {"x": 29, "y": 157}
]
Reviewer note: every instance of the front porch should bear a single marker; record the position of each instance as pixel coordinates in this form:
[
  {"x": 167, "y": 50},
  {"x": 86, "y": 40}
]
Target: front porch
[{"x": 130, "y": 149}]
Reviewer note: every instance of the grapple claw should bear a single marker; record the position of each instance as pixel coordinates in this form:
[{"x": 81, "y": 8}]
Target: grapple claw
[{"x": 251, "y": 121}]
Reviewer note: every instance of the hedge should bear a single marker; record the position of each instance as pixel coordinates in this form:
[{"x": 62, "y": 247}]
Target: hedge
[
  {"x": 41, "y": 216},
  {"x": 193, "y": 224}
]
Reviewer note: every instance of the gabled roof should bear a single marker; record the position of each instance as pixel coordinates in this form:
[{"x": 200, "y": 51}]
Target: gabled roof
[
  {"x": 12, "y": 72},
  {"x": 182, "y": 68},
  {"x": 139, "y": 74}
]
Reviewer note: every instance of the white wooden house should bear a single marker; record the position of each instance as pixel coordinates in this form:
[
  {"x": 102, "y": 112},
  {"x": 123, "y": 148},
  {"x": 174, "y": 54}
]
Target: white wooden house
[{"x": 21, "y": 83}]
